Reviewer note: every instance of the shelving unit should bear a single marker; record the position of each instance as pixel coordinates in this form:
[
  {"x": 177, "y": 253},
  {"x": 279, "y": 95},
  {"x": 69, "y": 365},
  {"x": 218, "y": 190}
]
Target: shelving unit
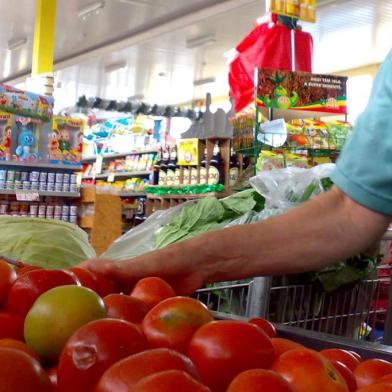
[
  {"x": 131, "y": 194},
  {"x": 119, "y": 174},
  {"x": 41, "y": 165},
  {"x": 41, "y": 193},
  {"x": 119, "y": 155}
]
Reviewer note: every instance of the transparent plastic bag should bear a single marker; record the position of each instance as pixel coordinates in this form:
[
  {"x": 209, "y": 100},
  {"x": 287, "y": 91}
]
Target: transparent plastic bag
[
  {"x": 284, "y": 189},
  {"x": 142, "y": 239}
]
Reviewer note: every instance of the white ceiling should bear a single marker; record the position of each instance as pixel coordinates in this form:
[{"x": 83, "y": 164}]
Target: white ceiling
[{"x": 151, "y": 39}]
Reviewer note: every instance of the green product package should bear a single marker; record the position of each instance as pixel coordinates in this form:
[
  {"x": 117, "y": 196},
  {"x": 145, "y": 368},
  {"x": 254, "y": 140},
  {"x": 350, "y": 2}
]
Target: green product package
[{"x": 44, "y": 243}]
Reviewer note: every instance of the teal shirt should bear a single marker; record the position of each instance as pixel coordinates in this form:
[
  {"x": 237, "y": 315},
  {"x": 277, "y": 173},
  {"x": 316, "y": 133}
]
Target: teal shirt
[{"x": 364, "y": 169}]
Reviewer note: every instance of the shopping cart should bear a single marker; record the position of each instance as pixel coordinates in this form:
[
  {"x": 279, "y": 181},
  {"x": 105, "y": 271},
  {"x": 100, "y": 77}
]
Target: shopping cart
[{"x": 359, "y": 312}]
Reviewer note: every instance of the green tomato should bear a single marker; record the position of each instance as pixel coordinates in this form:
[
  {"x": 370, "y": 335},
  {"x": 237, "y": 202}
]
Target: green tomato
[{"x": 57, "y": 314}]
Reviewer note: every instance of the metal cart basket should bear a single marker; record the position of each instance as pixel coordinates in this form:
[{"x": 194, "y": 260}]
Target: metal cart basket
[{"x": 359, "y": 312}]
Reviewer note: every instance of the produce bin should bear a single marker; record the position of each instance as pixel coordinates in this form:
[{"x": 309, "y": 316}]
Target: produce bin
[{"x": 358, "y": 312}]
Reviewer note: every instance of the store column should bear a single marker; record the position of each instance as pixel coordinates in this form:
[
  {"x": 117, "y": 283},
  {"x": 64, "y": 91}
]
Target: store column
[{"x": 44, "y": 40}]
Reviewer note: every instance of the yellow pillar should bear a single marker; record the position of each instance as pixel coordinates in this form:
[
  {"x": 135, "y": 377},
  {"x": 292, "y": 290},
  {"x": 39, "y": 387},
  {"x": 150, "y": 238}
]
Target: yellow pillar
[{"x": 44, "y": 35}]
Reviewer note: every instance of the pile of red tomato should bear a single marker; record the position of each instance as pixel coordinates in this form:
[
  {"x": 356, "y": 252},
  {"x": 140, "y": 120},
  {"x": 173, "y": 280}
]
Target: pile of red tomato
[{"x": 72, "y": 331}]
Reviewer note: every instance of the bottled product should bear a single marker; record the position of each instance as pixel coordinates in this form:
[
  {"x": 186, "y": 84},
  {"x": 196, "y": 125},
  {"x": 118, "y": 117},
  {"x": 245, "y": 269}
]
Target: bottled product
[
  {"x": 203, "y": 169},
  {"x": 215, "y": 171},
  {"x": 194, "y": 177},
  {"x": 234, "y": 168},
  {"x": 163, "y": 167},
  {"x": 171, "y": 167},
  {"x": 186, "y": 176},
  {"x": 157, "y": 164}
]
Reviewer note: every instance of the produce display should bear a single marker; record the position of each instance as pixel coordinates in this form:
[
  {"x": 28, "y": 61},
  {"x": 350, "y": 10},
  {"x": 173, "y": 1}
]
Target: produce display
[{"x": 83, "y": 332}]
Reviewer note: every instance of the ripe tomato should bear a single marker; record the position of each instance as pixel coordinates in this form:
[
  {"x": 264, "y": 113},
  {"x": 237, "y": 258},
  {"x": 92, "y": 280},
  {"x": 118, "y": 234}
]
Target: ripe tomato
[
  {"x": 92, "y": 349},
  {"x": 27, "y": 268},
  {"x": 265, "y": 325},
  {"x": 52, "y": 374},
  {"x": 18, "y": 345},
  {"x": 7, "y": 278},
  {"x": 309, "y": 371},
  {"x": 123, "y": 375},
  {"x": 385, "y": 379},
  {"x": 346, "y": 373},
  {"x": 20, "y": 372},
  {"x": 124, "y": 307},
  {"x": 85, "y": 277},
  {"x": 169, "y": 381},
  {"x": 356, "y": 355},
  {"x": 259, "y": 380},
  {"x": 11, "y": 326},
  {"x": 282, "y": 345},
  {"x": 104, "y": 285},
  {"x": 152, "y": 291},
  {"x": 221, "y": 350},
  {"x": 173, "y": 321},
  {"x": 386, "y": 387},
  {"x": 28, "y": 287},
  {"x": 343, "y": 356},
  {"x": 368, "y": 372}
]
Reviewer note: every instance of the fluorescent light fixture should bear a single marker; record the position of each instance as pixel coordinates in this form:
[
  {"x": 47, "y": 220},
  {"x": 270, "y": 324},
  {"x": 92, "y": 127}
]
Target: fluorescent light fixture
[
  {"x": 116, "y": 66},
  {"x": 17, "y": 43},
  {"x": 136, "y": 97},
  {"x": 137, "y": 2},
  {"x": 202, "y": 82},
  {"x": 204, "y": 40},
  {"x": 91, "y": 9}
]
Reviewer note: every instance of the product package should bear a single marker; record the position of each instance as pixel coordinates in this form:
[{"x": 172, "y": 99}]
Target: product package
[{"x": 6, "y": 123}]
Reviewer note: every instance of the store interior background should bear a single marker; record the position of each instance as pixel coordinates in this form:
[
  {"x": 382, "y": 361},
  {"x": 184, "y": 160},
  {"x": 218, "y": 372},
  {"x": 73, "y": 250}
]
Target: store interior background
[{"x": 157, "y": 50}]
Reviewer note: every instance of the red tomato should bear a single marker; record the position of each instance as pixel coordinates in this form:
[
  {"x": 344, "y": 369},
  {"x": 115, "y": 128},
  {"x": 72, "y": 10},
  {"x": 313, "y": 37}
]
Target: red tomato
[
  {"x": 85, "y": 277},
  {"x": 356, "y": 355},
  {"x": 309, "y": 371},
  {"x": 7, "y": 278},
  {"x": 20, "y": 372},
  {"x": 11, "y": 326},
  {"x": 173, "y": 321},
  {"x": 123, "y": 375},
  {"x": 346, "y": 373},
  {"x": 152, "y": 291},
  {"x": 52, "y": 373},
  {"x": 27, "y": 268},
  {"x": 124, "y": 307},
  {"x": 18, "y": 345},
  {"x": 169, "y": 381},
  {"x": 385, "y": 379},
  {"x": 92, "y": 349},
  {"x": 282, "y": 345},
  {"x": 28, "y": 287},
  {"x": 221, "y": 350},
  {"x": 265, "y": 325},
  {"x": 368, "y": 372},
  {"x": 377, "y": 388},
  {"x": 104, "y": 285},
  {"x": 259, "y": 380},
  {"x": 343, "y": 356}
]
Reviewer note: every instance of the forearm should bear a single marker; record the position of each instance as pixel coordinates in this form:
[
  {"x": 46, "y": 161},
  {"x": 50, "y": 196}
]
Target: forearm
[{"x": 322, "y": 232}]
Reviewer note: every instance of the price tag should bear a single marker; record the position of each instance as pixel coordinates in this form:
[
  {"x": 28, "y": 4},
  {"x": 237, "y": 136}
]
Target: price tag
[
  {"x": 27, "y": 196},
  {"x": 98, "y": 164},
  {"x": 111, "y": 177}
]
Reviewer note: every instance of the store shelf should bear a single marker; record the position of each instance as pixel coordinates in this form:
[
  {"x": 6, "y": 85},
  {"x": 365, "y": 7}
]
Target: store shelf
[
  {"x": 119, "y": 155},
  {"x": 41, "y": 193},
  {"x": 41, "y": 165},
  {"x": 119, "y": 174},
  {"x": 131, "y": 194}
]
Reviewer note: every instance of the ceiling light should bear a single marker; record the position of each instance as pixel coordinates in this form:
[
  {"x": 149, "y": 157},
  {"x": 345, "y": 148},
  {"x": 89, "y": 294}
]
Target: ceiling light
[
  {"x": 137, "y": 2},
  {"x": 205, "y": 40},
  {"x": 91, "y": 9},
  {"x": 202, "y": 82},
  {"x": 17, "y": 43},
  {"x": 116, "y": 66}
]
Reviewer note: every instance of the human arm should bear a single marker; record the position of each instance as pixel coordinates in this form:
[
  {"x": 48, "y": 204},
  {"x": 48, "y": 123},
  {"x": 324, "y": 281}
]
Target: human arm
[{"x": 323, "y": 231}]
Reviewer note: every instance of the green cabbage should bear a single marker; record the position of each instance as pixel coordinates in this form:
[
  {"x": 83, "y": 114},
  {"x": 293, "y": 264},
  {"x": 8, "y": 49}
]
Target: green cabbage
[{"x": 45, "y": 243}]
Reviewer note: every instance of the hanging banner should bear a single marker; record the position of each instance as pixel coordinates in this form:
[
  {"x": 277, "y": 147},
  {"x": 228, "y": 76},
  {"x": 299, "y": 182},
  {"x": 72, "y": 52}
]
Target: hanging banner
[
  {"x": 299, "y": 9},
  {"x": 301, "y": 91}
]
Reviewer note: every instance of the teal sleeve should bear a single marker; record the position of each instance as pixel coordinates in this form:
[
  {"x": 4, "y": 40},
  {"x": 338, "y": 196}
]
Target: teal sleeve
[{"x": 364, "y": 169}]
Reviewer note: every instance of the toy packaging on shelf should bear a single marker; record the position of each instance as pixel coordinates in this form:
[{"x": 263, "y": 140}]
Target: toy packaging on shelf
[
  {"x": 6, "y": 123},
  {"x": 66, "y": 141},
  {"x": 29, "y": 134}
]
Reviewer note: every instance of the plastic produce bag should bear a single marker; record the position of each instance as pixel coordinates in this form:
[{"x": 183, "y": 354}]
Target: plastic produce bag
[
  {"x": 44, "y": 243},
  {"x": 287, "y": 188}
]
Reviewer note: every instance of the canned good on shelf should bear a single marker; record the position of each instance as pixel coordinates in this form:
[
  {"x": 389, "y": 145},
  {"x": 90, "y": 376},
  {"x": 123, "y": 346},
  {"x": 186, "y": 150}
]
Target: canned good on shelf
[
  {"x": 17, "y": 176},
  {"x": 65, "y": 218},
  {"x": 42, "y": 186},
  {"x": 66, "y": 178},
  {"x": 73, "y": 219},
  {"x": 10, "y": 185},
  {"x": 18, "y": 184},
  {"x": 42, "y": 209},
  {"x": 3, "y": 175},
  {"x": 34, "y": 176},
  {"x": 50, "y": 187},
  {"x": 74, "y": 178},
  {"x": 11, "y": 175},
  {"x": 73, "y": 210},
  {"x": 24, "y": 176},
  {"x": 58, "y": 217},
  {"x": 26, "y": 185},
  {"x": 57, "y": 210},
  {"x": 58, "y": 187},
  {"x": 51, "y": 177},
  {"x": 59, "y": 177},
  {"x": 73, "y": 188},
  {"x": 43, "y": 176},
  {"x": 3, "y": 208},
  {"x": 66, "y": 187},
  {"x": 33, "y": 209},
  {"x": 2, "y": 185},
  {"x": 23, "y": 209},
  {"x": 34, "y": 185}
]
